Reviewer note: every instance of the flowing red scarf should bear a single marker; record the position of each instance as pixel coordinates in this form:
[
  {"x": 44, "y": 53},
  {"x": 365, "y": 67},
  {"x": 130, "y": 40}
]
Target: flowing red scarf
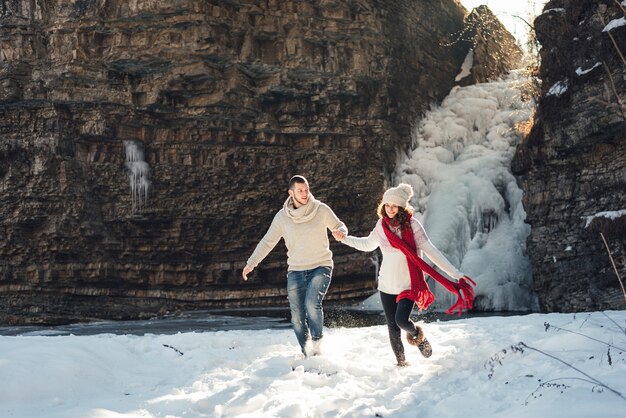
[{"x": 420, "y": 292}]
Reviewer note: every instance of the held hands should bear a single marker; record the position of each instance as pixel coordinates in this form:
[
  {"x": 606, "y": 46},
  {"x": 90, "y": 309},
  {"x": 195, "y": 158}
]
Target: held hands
[
  {"x": 339, "y": 236},
  {"x": 246, "y": 271}
]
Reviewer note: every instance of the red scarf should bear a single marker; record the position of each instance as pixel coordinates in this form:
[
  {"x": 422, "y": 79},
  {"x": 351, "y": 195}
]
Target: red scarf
[{"x": 420, "y": 293}]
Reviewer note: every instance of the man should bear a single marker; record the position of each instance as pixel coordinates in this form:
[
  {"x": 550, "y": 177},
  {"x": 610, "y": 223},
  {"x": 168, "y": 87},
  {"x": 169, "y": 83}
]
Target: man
[{"x": 302, "y": 223}]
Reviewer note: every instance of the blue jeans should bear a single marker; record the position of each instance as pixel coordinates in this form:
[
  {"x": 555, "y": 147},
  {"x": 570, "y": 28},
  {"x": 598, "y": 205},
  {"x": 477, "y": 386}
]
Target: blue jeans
[{"x": 305, "y": 291}]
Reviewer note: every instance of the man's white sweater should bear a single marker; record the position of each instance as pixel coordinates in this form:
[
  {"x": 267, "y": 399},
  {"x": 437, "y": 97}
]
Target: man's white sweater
[{"x": 305, "y": 231}]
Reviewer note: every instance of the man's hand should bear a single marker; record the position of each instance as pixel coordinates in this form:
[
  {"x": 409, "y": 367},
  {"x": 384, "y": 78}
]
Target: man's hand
[
  {"x": 246, "y": 271},
  {"x": 339, "y": 235}
]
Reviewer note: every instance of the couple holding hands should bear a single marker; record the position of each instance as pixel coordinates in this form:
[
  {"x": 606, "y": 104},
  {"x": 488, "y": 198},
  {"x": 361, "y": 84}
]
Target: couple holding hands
[{"x": 303, "y": 223}]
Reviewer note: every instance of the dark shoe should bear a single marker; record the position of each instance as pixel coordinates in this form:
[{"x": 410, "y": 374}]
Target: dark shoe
[
  {"x": 417, "y": 338},
  {"x": 420, "y": 341},
  {"x": 425, "y": 348},
  {"x": 403, "y": 363}
]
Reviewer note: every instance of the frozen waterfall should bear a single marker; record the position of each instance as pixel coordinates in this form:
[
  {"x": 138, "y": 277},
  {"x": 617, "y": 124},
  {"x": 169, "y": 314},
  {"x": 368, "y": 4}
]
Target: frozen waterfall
[
  {"x": 465, "y": 194},
  {"x": 138, "y": 173}
]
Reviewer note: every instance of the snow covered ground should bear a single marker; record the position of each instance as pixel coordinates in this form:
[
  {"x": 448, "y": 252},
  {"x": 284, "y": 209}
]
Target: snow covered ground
[{"x": 575, "y": 367}]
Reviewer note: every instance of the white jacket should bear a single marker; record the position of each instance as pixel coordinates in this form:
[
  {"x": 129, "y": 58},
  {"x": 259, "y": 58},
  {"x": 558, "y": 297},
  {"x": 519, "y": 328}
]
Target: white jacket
[{"x": 393, "y": 277}]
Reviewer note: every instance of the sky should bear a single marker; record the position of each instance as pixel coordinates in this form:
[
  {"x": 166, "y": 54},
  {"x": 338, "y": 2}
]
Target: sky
[
  {"x": 548, "y": 365},
  {"x": 505, "y": 11}
]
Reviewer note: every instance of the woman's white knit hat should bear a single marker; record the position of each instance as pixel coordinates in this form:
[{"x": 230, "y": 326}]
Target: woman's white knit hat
[{"x": 399, "y": 195}]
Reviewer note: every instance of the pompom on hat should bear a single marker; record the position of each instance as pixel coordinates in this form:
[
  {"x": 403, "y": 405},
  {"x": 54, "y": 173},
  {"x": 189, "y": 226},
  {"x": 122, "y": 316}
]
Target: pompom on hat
[{"x": 399, "y": 195}]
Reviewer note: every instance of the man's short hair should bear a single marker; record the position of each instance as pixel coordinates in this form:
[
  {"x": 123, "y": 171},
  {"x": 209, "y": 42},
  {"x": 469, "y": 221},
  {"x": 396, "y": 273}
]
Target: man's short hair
[{"x": 297, "y": 179}]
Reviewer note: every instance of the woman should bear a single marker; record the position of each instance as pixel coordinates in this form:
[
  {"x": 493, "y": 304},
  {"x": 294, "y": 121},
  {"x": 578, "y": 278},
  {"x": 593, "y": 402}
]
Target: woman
[{"x": 401, "y": 282}]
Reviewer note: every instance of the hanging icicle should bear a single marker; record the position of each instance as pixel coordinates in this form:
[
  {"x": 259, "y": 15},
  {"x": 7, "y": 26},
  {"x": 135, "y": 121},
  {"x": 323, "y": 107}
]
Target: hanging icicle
[{"x": 138, "y": 174}]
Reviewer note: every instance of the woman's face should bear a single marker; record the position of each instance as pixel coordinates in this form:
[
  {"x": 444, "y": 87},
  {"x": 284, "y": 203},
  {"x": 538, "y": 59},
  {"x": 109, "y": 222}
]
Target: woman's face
[{"x": 391, "y": 210}]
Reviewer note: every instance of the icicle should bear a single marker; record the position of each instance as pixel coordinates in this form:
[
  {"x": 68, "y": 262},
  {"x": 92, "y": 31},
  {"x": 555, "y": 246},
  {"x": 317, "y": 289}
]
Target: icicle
[{"x": 138, "y": 173}]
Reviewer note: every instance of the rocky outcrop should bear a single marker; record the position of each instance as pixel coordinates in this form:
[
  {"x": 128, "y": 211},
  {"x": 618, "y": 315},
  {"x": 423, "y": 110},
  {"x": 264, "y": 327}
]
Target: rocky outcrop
[
  {"x": 146, "y": 145},
  {"x": 493, "y": 51},
  {"x": 573, "y": 163}
]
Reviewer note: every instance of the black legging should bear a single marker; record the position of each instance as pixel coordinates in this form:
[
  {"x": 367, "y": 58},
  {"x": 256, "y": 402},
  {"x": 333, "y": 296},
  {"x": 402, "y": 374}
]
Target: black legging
[{"x": 397, "y": 315}]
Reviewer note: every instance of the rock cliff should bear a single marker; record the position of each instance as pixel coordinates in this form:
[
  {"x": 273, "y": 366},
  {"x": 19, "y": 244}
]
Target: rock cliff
[
  {"x": 573, "y": 164},
  {"x": 493, "y": 51},
  {"x": 146, "y": 145}
]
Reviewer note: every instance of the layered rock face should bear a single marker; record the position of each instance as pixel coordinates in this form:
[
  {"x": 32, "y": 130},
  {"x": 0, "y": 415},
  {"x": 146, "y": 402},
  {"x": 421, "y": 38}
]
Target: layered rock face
[
  {"x": 574, "y": 162},
  {"x": 147, "y": 145},
  {"x": 493, "y": 50}
]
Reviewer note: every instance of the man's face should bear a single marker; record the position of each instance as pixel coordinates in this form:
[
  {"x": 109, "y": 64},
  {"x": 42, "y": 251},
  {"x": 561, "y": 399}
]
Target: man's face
[{"x": 300, "y": 194}]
